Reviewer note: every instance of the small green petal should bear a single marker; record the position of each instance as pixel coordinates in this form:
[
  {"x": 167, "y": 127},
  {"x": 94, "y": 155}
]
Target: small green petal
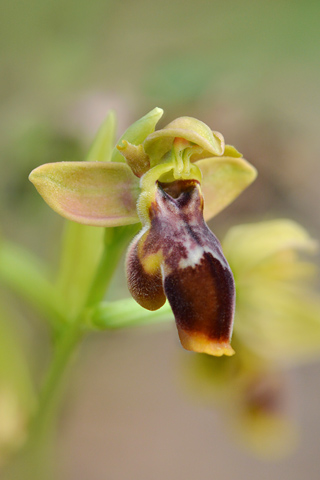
[
  {"x": 138, "y": 131},
  {"x": 135, "y": 157},
  {"x": 224, "y": 178},
  {"x": 160, "y": 142},
  {"x": 229, "y": 151},
  {"x": 93, "y": 193}
]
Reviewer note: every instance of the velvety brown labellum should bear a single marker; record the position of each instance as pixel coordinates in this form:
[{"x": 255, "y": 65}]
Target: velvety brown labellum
[{"x": 179, "y": 257}]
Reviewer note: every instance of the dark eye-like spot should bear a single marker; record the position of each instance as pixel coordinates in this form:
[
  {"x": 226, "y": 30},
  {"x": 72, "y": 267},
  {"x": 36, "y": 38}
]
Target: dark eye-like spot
[{"x": 178, "y": 188}]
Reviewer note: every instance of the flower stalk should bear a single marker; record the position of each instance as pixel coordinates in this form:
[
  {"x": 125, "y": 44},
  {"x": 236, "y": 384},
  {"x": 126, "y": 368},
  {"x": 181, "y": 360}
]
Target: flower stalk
[{"x": 38, "y": 450}]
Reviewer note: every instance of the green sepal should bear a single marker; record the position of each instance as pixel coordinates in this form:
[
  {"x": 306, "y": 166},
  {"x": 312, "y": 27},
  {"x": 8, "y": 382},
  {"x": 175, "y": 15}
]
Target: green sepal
[{"x": 223, "y": 179}]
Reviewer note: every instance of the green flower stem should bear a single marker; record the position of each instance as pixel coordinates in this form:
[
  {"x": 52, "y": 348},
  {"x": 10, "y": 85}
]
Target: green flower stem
[
  {"x": 64, "y": 350},
  {"x": 36, "y": 461},
  {"x": 116, "y": 240},
  {"x": 71, "y": 334},
  {"x": 42, "y": 426},
  {"x": 24, "y": 274}
]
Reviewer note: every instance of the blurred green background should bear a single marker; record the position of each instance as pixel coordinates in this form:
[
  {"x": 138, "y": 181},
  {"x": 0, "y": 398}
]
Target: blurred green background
[{"x": 248, "y": 69}]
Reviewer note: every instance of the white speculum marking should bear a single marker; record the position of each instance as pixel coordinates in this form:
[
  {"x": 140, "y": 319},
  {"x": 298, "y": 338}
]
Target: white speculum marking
[{"x": 195, "y": 253}]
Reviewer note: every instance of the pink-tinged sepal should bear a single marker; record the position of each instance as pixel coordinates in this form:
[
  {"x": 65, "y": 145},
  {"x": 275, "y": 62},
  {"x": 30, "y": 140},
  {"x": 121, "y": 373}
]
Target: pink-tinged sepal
[
  {"x": 178, "y": 248},
  {"x": 102, "y": 194}
]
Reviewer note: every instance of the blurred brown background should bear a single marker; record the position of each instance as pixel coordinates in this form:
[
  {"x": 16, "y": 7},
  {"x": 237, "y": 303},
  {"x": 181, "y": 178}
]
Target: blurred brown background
[{"x": 248, "y": 69}]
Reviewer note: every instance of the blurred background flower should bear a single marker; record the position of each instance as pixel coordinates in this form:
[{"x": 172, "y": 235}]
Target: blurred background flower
[
  {"x": 277, "y": 324},
  {"x": 278, "y": 313},
  {"x": 249, "y": 70}
]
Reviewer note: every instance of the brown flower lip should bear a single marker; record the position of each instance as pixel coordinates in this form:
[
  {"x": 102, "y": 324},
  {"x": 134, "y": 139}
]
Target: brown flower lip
[{"x": 178, "y": 257}]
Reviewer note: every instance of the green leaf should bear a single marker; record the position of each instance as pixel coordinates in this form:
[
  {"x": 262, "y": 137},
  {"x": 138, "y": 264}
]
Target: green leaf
[
  {"x": 82, "y": 248},
  {"x": 26, "y": 276},
  {"x": 224, "y": 178},
  {"x": 14, "y": 368},
  {"x": 82, "y": 245},
  {"x": 138, "y": 132},
  {"x": 103, "y": 143},
  {"x": 93, "y": 193}
]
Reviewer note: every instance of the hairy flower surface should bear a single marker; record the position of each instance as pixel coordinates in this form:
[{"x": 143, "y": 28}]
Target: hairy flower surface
[
  {"x": 170, "y": 180},
  {"x": 178, "y": 257}
]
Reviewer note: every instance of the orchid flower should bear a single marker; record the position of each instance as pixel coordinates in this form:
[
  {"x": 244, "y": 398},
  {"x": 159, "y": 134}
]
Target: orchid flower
[{"x": 171, "y": 180}]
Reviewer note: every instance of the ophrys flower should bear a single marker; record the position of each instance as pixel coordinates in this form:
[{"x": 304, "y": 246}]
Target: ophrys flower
[{"x": 172, "y": 180}]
